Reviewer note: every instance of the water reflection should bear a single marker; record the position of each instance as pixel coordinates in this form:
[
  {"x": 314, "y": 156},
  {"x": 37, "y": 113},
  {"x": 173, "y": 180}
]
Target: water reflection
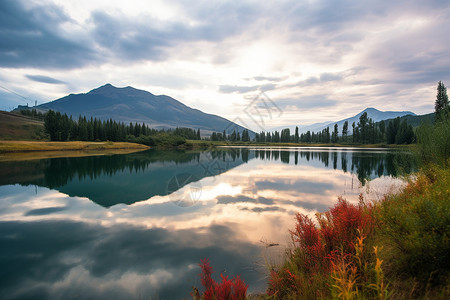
[
  {"x": 57, "y": 242},
  {"x": 110, "y": 180}
]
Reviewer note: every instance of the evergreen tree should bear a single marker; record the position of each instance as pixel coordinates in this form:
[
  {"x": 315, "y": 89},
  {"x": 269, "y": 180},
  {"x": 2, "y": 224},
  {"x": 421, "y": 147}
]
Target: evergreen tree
[
  {"x": 382, "y": 130},
  {"x": 51, "y": 125},
  {"x": 392, "y": 129},
  {"x": 245, "y": 135},
  {"x": 363, "y": 126},
  {"x": 405, "y": 134},
  {"x": 296, "y": 137},
  {"x": 233, "y": 136},
  {"x": 335, "y": 134},
  {"x": 441, "y": 106},
  {"x": 285, "y": 135},
  {"x": 198, "y": 134},
  {"x": 345, "y": 130}
]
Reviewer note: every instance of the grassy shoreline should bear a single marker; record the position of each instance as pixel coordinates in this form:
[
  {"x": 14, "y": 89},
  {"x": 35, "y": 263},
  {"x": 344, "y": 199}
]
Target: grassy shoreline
[{"x": 38, "y": 146}]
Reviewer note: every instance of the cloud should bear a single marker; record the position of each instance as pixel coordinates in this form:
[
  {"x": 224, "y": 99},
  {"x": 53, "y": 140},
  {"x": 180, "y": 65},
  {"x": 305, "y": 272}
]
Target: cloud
[
  {"x": 301, "y": 185},
  {"x": 263, "y": 209},
  {"x": 44, "y": 211},
  {"x": 270, "y": 78},
  {"x": 44, "y": 79},
  {"x": 242, "y": 199},
  {"x": 33, "y": 38},
  {"x": 126, "y": 261}
]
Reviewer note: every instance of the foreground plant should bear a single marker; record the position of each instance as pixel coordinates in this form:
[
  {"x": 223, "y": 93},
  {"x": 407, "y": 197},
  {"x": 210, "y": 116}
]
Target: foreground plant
[
  {"x": 234, "y": 289},
  {"x": 332, "y": 258}
]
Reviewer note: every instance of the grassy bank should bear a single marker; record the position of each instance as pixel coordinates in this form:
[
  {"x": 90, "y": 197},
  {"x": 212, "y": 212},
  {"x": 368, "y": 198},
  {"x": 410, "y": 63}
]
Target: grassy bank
[{"x": 37, "y": 146}]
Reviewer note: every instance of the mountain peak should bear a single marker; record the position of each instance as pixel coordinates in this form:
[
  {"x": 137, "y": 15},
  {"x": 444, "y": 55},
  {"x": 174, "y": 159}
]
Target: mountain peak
[
  {"x": 370, "y": 109},
  {"x": 111, "y": 91}
]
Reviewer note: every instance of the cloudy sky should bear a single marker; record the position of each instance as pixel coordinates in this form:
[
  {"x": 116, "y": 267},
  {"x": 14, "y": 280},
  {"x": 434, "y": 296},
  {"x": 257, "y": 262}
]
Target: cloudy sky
[{"x": 314, "y": 60}]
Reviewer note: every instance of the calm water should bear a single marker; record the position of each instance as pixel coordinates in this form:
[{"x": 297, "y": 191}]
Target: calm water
[{"x": 136, "y": 226}]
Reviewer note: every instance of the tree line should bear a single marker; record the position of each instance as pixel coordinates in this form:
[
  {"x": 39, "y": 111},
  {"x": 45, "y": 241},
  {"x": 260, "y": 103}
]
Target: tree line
[
  {"x": 61, "y": 127},
  {"x": 365, "y": 131}
]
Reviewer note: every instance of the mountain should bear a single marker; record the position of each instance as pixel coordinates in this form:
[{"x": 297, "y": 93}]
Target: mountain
[
  {"x": 373, "y": 113},
  {"x": 133, "y": 105}
]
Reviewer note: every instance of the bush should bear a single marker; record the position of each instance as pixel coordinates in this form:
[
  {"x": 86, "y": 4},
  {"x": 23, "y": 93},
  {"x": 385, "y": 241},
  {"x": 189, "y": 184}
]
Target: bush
[
  {"x": 234, "y": 289},
  {"x": 333, "y": 258},
  {"x": 415, "y": 230},
  {"x": 434, "y": 143}
]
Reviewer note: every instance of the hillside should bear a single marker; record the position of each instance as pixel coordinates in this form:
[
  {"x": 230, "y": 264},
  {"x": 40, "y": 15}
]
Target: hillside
[
  {"x": 133, "y": 105},
  {"x": 18, "y": 127},
  {"x": 415, "y": 121}
]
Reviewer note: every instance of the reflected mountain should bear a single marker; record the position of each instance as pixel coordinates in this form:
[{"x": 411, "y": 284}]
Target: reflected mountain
[
  {"x": 114, "y": 179},
  {"x": 110, "y": 180}
]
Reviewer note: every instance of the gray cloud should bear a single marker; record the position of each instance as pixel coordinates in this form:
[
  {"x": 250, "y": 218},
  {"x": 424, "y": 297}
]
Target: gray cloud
[
  {"x": 31, "y": 38},
  {"x": 44, "y": 79},
  {"x": 263, "y": 209},
  {"x": 242, "y": 199},
  {"x": 45, "y": 211}
]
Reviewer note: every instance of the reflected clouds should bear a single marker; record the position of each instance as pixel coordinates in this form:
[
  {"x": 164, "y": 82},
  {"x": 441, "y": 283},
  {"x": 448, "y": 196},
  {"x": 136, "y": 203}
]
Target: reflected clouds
[{"x": 45, "y": 256}]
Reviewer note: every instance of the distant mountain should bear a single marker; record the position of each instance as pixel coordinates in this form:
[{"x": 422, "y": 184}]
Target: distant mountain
[
  {"x": 372, "y": 113},
  {"x": 133, "y": 105}
]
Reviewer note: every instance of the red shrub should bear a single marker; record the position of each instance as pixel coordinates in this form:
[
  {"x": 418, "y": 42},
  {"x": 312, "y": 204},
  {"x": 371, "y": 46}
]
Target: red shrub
[
  {"x": 234, "y": 289},
  {"x": 318, "y": 247}
]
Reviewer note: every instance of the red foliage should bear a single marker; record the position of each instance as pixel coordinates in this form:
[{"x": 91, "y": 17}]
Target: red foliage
[
  {"x": 234, "y": 289},
  {"x": 317, "y": 247}
]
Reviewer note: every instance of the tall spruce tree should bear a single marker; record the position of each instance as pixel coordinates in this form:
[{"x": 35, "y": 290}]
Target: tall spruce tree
[
  {"x": 441, "y": 105},
  {"x": 345, "y": 130}
]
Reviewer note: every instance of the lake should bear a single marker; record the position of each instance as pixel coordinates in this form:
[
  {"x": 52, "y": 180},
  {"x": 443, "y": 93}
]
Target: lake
[{"x": 136, "y": 226}]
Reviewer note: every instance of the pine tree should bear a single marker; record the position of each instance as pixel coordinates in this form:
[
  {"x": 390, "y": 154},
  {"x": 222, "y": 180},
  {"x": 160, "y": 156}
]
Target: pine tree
[
  {"x": 296, "y": 137},
  {"x": 335, "y": 134},
  {"x": 441, "y": 106},
  {"x": 345, "y": 129}
]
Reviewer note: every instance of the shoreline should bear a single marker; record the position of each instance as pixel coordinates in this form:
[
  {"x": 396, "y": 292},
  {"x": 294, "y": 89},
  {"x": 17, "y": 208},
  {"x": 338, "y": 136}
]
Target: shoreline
[{"x": 28, "y": 150}]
